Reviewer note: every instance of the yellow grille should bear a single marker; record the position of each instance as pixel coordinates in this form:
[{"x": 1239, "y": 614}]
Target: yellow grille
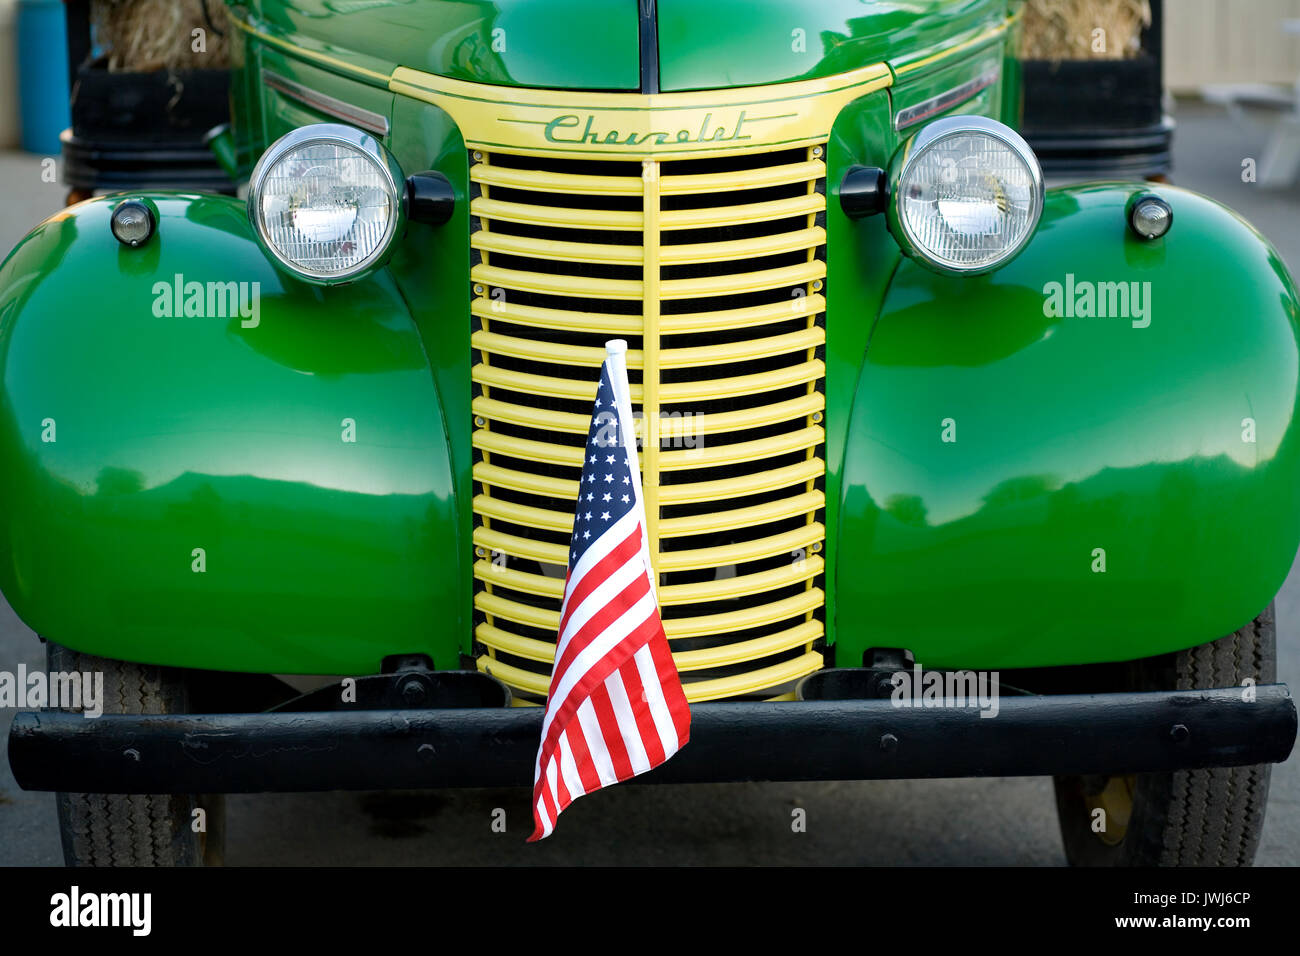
[{"x": 712, "y": 269}]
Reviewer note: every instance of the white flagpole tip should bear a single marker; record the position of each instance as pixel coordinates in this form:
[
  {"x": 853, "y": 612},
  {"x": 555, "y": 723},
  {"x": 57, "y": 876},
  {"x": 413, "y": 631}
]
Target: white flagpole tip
[{"x": 616, "y": 347}]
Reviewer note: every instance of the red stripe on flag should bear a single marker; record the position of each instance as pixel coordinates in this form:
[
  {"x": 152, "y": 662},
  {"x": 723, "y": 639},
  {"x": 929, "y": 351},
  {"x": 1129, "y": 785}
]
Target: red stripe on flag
[
  {"x": 674, "y": 696},
  {"x": 612, "y": 735},
  {"x": 595, "y": 576},
  {"x": 645, "y": 722},
  {"x": 582, "y": 757}
]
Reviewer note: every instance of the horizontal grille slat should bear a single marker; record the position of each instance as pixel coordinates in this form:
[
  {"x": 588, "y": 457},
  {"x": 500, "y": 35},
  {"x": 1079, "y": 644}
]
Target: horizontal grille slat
[
  {"x": 739, "y": 283},
  {"x": 720, "y": 489},
  {"x": 738, "y": 249},
  {"x": 578, "y": 389},
  {"x": 549, "y": 182},
  {"x": 496, "y": 476},
  {"x": 526, "y": 246},
  {"x": 695, "y": 322},
  {"x": 709, "y": 183},
  {"x": 506, "y": 311},
  {"x": 543, "y": 652},
  {"x": 713, "y": 270},
  {"x": 725, "y": 554},
  {"x": 536, "y": 682},
  {"x": 712, "y": 456},
  {"x": 555, "y": 215},
  {"x": 706, "y": 216},
  {"x": 557, "y": 284},
  {"x": 592, "y": 357},
  {"x": 696, "y": 426},
  {"x": 741, "y": 584},
  {"x": 740, "y": 517}
]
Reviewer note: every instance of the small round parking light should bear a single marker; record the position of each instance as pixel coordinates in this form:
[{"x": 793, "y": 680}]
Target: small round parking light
[
  {"x": 132, "y": 223},
  {"x": 1150, "y": 217}
]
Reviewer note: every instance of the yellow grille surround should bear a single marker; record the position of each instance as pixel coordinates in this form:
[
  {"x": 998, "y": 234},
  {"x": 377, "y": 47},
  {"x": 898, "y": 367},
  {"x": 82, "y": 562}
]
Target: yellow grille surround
[{"x": 712, "y": 268}]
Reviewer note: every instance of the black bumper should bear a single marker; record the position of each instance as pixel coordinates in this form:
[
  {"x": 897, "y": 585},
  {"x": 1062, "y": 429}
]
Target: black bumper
[{"x": 799, "y": 740}]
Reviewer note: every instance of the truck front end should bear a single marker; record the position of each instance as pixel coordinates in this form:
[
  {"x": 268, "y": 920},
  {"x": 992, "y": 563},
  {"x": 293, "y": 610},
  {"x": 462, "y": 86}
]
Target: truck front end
[{"x": 903, "y": 412}]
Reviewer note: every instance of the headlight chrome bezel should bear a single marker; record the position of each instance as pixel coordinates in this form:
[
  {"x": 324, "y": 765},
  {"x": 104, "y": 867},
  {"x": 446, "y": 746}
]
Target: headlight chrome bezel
[
  {"x": 917, "y": 146},
  {"x": 364, "y": 143}
]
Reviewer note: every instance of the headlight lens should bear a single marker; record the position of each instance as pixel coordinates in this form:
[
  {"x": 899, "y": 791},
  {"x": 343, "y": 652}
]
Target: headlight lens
[
  {"x": 967, "y": 194},
  {"x": 326, "y": 201}
]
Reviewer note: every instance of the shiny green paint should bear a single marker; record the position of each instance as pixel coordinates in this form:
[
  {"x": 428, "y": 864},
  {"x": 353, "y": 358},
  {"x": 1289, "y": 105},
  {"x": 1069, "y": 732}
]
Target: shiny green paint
[
  {"x": 431, "y": 268},
  {"x": 177, "y": 433},
  {"x": 1074, "y": 434},
  {"x": 561, "y": 44},
  {"x": 281, "y": 113},
  {"x": 948, "y": 74},
  {"x": 726, "y": 43},
  {"x": 861, "y": 258}
]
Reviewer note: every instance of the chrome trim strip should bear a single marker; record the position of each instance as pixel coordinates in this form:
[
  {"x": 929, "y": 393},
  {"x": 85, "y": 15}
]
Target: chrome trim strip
[
  {"x": 364, "y": 119},
  {"x": 947, "y": 99}
]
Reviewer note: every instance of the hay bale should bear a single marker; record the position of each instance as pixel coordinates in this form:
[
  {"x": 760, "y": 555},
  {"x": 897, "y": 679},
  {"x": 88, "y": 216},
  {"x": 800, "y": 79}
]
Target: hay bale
[
  {"x": 146, "y": 35},
  {"x": 1064, "y": 29}
]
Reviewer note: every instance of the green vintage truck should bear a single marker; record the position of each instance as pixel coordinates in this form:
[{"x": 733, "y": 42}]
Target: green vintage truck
[{"x": 907, "y": 418}]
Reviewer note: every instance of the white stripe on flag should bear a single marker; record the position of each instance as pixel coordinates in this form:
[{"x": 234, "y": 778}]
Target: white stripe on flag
[
  {"x": 550, "y": 785},
  {"x": 590, "y": 655},
  {"x": 654, "y": 695},
  {"x": 547, "y": 823},
  {"x": 596, "y": 743},
  {"x": 568, "y": 767},
  {"x": 626, "y": 720}
]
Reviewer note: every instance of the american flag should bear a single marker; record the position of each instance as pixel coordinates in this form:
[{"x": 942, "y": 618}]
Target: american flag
[{"x": 615, "y": 707}]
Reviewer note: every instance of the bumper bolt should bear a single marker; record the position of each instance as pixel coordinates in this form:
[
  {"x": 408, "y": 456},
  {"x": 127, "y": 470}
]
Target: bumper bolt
[
  {"x": 1179, "y": 733},
  {"x": 413, "y": 691},
  {"x": 888, "y": 743}
]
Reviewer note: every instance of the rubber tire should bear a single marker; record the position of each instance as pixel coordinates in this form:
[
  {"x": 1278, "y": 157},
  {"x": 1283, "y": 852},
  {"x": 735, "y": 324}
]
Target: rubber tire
[
  {"x": 1209, "y": 817},
  {"x": 136, "y": 829}
]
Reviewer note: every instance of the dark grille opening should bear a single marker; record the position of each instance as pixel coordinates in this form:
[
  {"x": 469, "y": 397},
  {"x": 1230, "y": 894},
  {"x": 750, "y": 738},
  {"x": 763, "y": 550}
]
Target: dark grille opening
[
  {"x": 575, "y": 338},
  {"x": 563, "y": 267},
  {"x": 751, "y": 230},
  {"x": 532, "y": 197},
  {"x": 604, "y": 237},
  {"x": 699, "y": 270},
  {"x": 737, "y": 301},
  {"x": 732, "y": 163},
  {"x": 565, "y": 303},
  {"x": 738, "y": 197},
  {"x": 578, "y": 167}
]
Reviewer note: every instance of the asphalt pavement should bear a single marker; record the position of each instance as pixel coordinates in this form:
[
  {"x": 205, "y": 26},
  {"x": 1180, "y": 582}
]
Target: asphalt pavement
[{"x": 935, "y": 822}]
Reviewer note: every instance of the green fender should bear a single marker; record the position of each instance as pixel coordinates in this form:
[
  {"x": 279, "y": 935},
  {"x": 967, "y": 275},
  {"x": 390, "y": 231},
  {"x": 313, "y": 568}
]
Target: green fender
[
  {"x": 182, "y": 490},
  {"x": 1111, "y": 487}
]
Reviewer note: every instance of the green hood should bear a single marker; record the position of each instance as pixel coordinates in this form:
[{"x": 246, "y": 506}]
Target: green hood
[{"x": 596, "y": 44}]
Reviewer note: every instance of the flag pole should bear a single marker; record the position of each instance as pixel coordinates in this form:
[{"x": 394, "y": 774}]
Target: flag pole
[{"x": 616, "y": 357}]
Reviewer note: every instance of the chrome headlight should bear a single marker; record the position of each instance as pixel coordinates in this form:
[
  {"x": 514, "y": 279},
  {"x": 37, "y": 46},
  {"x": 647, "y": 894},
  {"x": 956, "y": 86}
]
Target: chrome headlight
[
  {"x": 966, "y": 193},
  {"x": 326, "y": 202}
]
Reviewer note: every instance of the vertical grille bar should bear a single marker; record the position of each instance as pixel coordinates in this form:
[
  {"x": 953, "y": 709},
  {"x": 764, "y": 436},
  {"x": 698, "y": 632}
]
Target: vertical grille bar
[{"x": 650, "y": 444}]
